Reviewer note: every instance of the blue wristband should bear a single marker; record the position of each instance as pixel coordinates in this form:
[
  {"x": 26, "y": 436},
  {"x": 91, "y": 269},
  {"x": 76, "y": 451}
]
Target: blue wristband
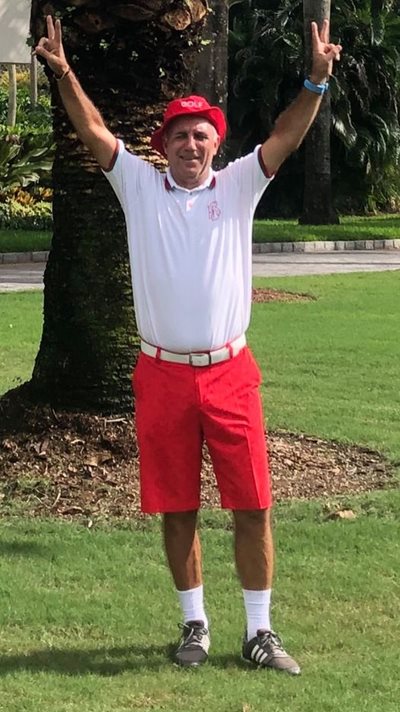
[{"x": 316, "y": 88}]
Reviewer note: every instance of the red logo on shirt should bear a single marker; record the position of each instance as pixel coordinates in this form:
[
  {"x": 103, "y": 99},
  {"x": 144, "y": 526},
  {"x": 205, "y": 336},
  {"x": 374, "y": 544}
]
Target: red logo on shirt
[{"x": 213, "y": 210}]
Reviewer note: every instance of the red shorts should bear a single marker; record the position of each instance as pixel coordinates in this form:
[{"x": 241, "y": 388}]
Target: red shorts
[{"x": 177, "y": 407}]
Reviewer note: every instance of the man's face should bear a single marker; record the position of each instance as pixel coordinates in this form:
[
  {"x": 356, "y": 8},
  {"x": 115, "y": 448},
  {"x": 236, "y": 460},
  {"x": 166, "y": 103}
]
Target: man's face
[{"x": 190, "y": 144}]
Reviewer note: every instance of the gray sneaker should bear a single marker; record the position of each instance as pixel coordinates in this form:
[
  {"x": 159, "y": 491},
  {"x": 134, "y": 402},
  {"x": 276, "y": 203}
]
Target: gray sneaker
[
  {"x": 193, "y": 646},
  {"x": 266, "y": 650}
]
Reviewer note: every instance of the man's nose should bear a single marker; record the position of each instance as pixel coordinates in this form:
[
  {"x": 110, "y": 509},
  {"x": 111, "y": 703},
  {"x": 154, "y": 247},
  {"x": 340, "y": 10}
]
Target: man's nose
[{"x": 190, "y": 142}]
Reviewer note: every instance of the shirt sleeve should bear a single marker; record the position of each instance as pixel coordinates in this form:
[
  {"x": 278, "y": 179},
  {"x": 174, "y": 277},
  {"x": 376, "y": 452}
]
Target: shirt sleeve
[
  {"x": 124, "y": 174},
  {"x": 251, "y": 175}
]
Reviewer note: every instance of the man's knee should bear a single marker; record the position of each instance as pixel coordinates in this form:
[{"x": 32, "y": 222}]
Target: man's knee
[
  {"x": 177, "y": 522},
  {"x": 252, "y": 519}
]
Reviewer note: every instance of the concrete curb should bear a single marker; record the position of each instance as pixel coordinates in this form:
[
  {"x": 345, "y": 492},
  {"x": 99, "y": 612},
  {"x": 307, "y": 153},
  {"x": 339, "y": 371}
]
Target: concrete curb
[
  {"x": 259, "y": 248},
  {"x": 12, "y": 258},
  {"x": 325, "y": 246}
]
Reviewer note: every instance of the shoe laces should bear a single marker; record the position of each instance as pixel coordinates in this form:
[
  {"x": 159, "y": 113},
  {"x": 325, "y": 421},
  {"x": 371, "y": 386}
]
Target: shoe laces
[
  {"x": 193, "y": 632},
  {"x": 268, "y": 637}
]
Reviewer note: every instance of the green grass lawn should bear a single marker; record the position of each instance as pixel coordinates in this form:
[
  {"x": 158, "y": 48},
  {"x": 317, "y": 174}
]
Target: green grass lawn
[
  {"x": 88, "y": 617},
  {"x": 380, "y": 227},
  {"x": 20, "y": 330},
  {"x": 24, "y": 240},
  {"x": 330, "y": 365}
]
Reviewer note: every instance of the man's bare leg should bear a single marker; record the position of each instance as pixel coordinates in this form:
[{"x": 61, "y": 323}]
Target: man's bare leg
[
  {"x": 254, "y": 549},
  {"x": 254, "y": 553},
  {"x": 182, "y": 546}
]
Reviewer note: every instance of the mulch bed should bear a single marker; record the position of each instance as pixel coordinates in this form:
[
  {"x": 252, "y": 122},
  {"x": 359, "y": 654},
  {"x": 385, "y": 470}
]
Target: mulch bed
[
  {"x": 263, "y": 294},
  {"x": 75, "y": 465}
]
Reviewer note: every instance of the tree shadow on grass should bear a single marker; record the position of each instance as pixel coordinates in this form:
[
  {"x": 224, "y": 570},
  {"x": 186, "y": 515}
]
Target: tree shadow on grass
[
  {"x": 22, "y": 548},
  {"x": 228, "y": 660},
  {"x": 106, "y": 662},
  {"x": 222, "y": 661},
  {"x": 99, "y": 661}
]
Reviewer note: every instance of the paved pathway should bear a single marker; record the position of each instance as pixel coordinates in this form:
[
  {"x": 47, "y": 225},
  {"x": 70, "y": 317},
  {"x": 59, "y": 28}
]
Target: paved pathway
[
  {"x": 282, "y": 265},
  {"x": 20, "y": 277},
  {"x": 23, "y": 276}
]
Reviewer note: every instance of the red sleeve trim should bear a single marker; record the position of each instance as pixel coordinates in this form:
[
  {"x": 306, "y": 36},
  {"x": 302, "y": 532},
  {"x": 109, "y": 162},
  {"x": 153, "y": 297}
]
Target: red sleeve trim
[
  {"x": 263, "y": 166},
  {"x": 113, "y": 159}
]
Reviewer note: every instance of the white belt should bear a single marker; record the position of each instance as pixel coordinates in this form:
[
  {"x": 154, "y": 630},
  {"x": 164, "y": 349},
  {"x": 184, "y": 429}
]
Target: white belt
[{"x": 206, "y": 358}]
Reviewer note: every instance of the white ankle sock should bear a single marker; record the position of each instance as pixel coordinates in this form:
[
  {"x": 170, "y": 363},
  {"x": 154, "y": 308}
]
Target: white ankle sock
[
  {"x": 192, "y": 605},
  {"x": 257, "y": 604}
]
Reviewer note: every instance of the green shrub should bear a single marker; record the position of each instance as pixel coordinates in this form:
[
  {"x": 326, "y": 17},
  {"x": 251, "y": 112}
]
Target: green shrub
[
  {"x": 28, "y": 117},
  {"x": 25, "y": 157},
  {"x": 13, "y": 215}
]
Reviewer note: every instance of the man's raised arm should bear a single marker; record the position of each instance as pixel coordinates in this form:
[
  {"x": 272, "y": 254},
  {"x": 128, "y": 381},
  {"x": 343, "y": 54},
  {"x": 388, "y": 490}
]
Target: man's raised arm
[
  {"x": 86, "y": 119},
  {"x": 292, "y": 125}
]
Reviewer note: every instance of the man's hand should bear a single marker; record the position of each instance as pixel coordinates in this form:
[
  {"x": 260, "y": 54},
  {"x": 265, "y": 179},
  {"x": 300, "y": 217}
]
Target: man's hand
[
  {"x": 293, "y": 124},
  {"x": 84, "y": 116},
  {"x": 51, "y": 48},
  {"x": 324, "y": 53}
]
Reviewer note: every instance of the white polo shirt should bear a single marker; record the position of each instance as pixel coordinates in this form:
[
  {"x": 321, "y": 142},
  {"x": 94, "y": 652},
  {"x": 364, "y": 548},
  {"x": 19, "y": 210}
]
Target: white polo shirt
[{"x": 190, "y": 250}]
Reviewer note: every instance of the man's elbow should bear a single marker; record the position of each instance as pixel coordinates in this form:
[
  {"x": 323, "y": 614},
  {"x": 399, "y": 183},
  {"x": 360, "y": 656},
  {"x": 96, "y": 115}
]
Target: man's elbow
[
  {"x": 287, "y": 143},
  {"x": 90, "y": 136}
]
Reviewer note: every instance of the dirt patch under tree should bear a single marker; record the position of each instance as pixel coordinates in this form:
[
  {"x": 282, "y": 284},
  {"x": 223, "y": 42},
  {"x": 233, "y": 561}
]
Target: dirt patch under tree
[{"x": 79, "y": 465}]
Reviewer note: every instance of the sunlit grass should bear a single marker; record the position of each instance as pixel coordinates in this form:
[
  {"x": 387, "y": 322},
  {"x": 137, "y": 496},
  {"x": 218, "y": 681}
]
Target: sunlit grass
[
  {"x": 89, "y": 616},
  {"x": 20, "y": 330},
  {"x": 24, "y": 240},
  {"x": 381, "y": 227},
  {"x": 331, "y": 365}
]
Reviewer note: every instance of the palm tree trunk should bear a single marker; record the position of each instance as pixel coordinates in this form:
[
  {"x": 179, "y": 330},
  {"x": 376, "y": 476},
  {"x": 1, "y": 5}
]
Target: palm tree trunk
[
  {"x": 317, "y": 202},
  {"x": 210, "y": 75},
  {"x": 89, "y": 335},
  {"x": 130, "y": 58}
]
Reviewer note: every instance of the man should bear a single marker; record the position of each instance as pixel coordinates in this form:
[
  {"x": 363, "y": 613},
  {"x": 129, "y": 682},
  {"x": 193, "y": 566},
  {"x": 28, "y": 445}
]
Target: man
[{"x": 189, "y": 235}]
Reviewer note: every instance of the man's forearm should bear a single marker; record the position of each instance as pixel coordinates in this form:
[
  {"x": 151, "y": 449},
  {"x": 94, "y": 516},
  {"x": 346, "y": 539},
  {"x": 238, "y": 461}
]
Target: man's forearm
[
  {"x": 294, "y": 122},
  {"x": 87, "y": 120},
  {"x": 290, "y": 129},
  {"x": 83, "y": 114}
]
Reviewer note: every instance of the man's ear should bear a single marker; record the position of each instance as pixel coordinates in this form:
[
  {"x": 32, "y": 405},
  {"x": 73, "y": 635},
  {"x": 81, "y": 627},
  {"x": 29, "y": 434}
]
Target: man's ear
[
  {"x": 164, "y": 141},
  {"x": 217, "y": 144}
]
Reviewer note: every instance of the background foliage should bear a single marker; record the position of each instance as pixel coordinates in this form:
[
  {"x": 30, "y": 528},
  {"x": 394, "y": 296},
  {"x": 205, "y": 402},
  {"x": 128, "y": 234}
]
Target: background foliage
[
  {"x": 266, "y": 72},
  {"x": 26, "y": 157},
  {"x": 28, "y": 117}
]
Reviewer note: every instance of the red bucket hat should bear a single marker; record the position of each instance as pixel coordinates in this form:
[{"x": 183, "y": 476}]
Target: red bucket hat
[{"x": 189, "y": 105}]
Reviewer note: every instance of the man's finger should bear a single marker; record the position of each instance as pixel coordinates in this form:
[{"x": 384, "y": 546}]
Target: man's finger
[
  {"x": 325, "y": 31},
  {"x": 42, "y": 52},
  {"x": 315, "y": 34},
  {"x": 58, "y": 32},
  {"x": 333, "y": 53},
  {"x": 336, "y": 48},
  {"x": 50, "y": 27}
]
